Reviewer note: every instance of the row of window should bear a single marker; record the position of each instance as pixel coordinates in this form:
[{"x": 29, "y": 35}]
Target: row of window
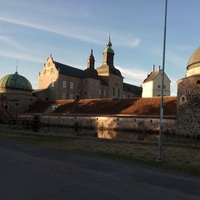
[
  {"x": 64, "y": 85},
  {"x": 64, "y": 96}
]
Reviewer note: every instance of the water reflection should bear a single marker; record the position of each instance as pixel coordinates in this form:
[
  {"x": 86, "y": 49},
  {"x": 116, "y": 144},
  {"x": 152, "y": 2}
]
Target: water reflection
[
  {"x": 103, "y": 134},
  {"x": 118, "y": 135},
  {"x": 107, "y": 134}
]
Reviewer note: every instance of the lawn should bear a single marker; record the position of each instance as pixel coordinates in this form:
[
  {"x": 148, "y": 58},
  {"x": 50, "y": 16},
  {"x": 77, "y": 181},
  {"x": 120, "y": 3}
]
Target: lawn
[{"x": 175, "y": 157}]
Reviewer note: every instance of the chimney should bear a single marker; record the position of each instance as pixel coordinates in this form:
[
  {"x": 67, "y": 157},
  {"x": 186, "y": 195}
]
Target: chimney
[
  {"x": 153, "y": 68},
  {"x": 158, "y": 68}
]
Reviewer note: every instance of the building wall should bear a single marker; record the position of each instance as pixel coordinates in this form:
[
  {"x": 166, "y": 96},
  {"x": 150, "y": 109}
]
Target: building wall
[
  {"x": 48, "y": 75},
  {"x": 16, "y": 101},
  {"x": 130, "y": 95},
  {"x": 115, "y": 84},
  {"x": 157, "y": 85},
  {"x": 147, "y": 89},
  {"x": 73, "y": 87},
  {"x": 194, "y": 70},
  {"x": 153, "y": 88},
  {"x": 188, "y": 106},
  {"x": 90, "y": 88}
]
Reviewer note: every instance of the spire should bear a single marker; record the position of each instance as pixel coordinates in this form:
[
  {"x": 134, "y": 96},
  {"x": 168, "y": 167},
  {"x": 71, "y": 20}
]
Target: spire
[
  {"x": 91, "y": 60},
  {"x": 108, "y": 53},
  {"x": 16, "y": 67},
  {"x": 109, "y": 44}
]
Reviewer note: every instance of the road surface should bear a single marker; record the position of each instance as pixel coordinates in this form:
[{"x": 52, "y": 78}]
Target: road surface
[{"x": 33, "y": 173}]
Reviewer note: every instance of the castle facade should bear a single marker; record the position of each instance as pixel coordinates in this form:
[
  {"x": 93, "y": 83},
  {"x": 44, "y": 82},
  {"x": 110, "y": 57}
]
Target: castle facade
[{"x": 58, "y": 81}]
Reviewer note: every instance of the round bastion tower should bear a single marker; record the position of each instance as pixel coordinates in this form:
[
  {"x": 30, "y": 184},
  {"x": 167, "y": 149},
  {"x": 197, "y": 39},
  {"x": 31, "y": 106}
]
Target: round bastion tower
[{"x": 188, "y": 99}]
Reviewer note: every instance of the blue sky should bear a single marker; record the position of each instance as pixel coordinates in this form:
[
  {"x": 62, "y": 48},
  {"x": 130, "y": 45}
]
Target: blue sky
[{"x": 32, "y": 30}]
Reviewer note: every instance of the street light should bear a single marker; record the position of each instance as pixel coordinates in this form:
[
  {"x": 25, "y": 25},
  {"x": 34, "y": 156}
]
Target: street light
[{"x": 162, "y": 88}]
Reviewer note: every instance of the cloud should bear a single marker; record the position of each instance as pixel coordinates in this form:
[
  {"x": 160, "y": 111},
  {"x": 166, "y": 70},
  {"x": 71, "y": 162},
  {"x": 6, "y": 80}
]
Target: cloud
[
  {"x": 81, "y": 32},
  {"x": 21, "y": 56},
  {"x": 135, "y": 42},
  {"x": 133, "y": 76},
  {"x": 133, "y": 73},
  {"x": 11, "y": 42}
]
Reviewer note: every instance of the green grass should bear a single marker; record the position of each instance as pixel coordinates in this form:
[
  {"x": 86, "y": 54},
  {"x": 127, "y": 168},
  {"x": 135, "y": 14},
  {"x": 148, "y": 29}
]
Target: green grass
[{"x": 181, "y": 158}]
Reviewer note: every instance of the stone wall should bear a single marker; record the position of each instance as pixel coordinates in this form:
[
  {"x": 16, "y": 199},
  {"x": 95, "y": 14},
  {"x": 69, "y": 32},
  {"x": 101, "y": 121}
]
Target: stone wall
[
  {"x": 120, "y": 123},
  {"x": 188, "y": 106}
]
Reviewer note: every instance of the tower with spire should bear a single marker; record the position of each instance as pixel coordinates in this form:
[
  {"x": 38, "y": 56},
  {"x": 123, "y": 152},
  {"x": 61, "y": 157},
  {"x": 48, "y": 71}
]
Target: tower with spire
[
  {"x": 91, "y": 60},
  {"x": 110, "y": 74}
]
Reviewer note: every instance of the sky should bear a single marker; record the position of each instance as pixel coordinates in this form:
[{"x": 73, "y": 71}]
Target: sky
[{"x": 68, "y": 29}]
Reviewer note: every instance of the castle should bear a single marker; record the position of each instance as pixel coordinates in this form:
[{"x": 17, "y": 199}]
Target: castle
[{"x": 60, "y": 81}]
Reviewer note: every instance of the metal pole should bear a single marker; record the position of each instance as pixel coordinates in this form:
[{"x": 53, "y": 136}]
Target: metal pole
[{"x": 162, "y": 87}]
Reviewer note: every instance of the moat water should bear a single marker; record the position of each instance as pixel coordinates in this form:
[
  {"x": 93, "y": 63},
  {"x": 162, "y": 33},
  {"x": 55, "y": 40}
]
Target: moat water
[
  {"x": 118, "y": 135},
  {"x": 106, "y": 134}
]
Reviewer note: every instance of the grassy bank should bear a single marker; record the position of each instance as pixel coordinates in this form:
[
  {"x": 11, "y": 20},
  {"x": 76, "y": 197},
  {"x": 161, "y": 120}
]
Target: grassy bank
[{"x": 182, "y": 158}]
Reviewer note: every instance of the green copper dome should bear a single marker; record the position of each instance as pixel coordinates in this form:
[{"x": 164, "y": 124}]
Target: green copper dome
[
  {"x": 15, "y": 81},
  {"x": 109, "y": 49}
]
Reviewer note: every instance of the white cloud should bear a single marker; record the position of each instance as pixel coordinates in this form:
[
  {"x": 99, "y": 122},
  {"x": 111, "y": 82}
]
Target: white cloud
[
  {"x": 133, "y": 76},
  {"x": 21, "y": 56},
  {"x": 133, "y": 73},
  {"x": 135, "y": 42}
]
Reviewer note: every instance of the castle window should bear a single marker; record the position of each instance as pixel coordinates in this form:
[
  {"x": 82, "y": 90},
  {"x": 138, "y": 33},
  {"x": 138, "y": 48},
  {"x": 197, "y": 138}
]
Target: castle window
[
  {"x": 198, "y": 82},
  {"x": 78, "y": 85},
  {"x": 183, "y": 100},
  {"x": 52, "y": 83},
  {"x": 64, "y": 84},
  {"x": 158, "y": 86},
  {"x": 6, "y": 107},
  {"x": 71, "y": 85},
  {"x": 118, "y": 92},
  {"x": 51, "y": 70},
  {"x": 113, "y": 91},
  {"x": 63, "y": 96},
  {"x": 71, "y": 96},
  {"x": 104, "y": 93}
]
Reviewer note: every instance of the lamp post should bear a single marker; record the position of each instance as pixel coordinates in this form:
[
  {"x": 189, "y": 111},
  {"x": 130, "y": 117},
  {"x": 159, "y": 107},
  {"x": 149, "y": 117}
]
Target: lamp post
[{"x": 162, "y": 88}]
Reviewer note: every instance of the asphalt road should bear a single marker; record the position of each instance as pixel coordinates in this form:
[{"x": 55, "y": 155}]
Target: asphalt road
[{"x": 28, "y": 173}]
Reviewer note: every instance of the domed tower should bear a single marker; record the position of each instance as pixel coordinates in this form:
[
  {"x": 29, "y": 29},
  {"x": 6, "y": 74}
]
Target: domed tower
[
  {"x": 110, "y": 74},
  {"x": 188, "y": 98},
  {"x": 15, "y": 94},
  {"x": 15, "y": 82}
]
